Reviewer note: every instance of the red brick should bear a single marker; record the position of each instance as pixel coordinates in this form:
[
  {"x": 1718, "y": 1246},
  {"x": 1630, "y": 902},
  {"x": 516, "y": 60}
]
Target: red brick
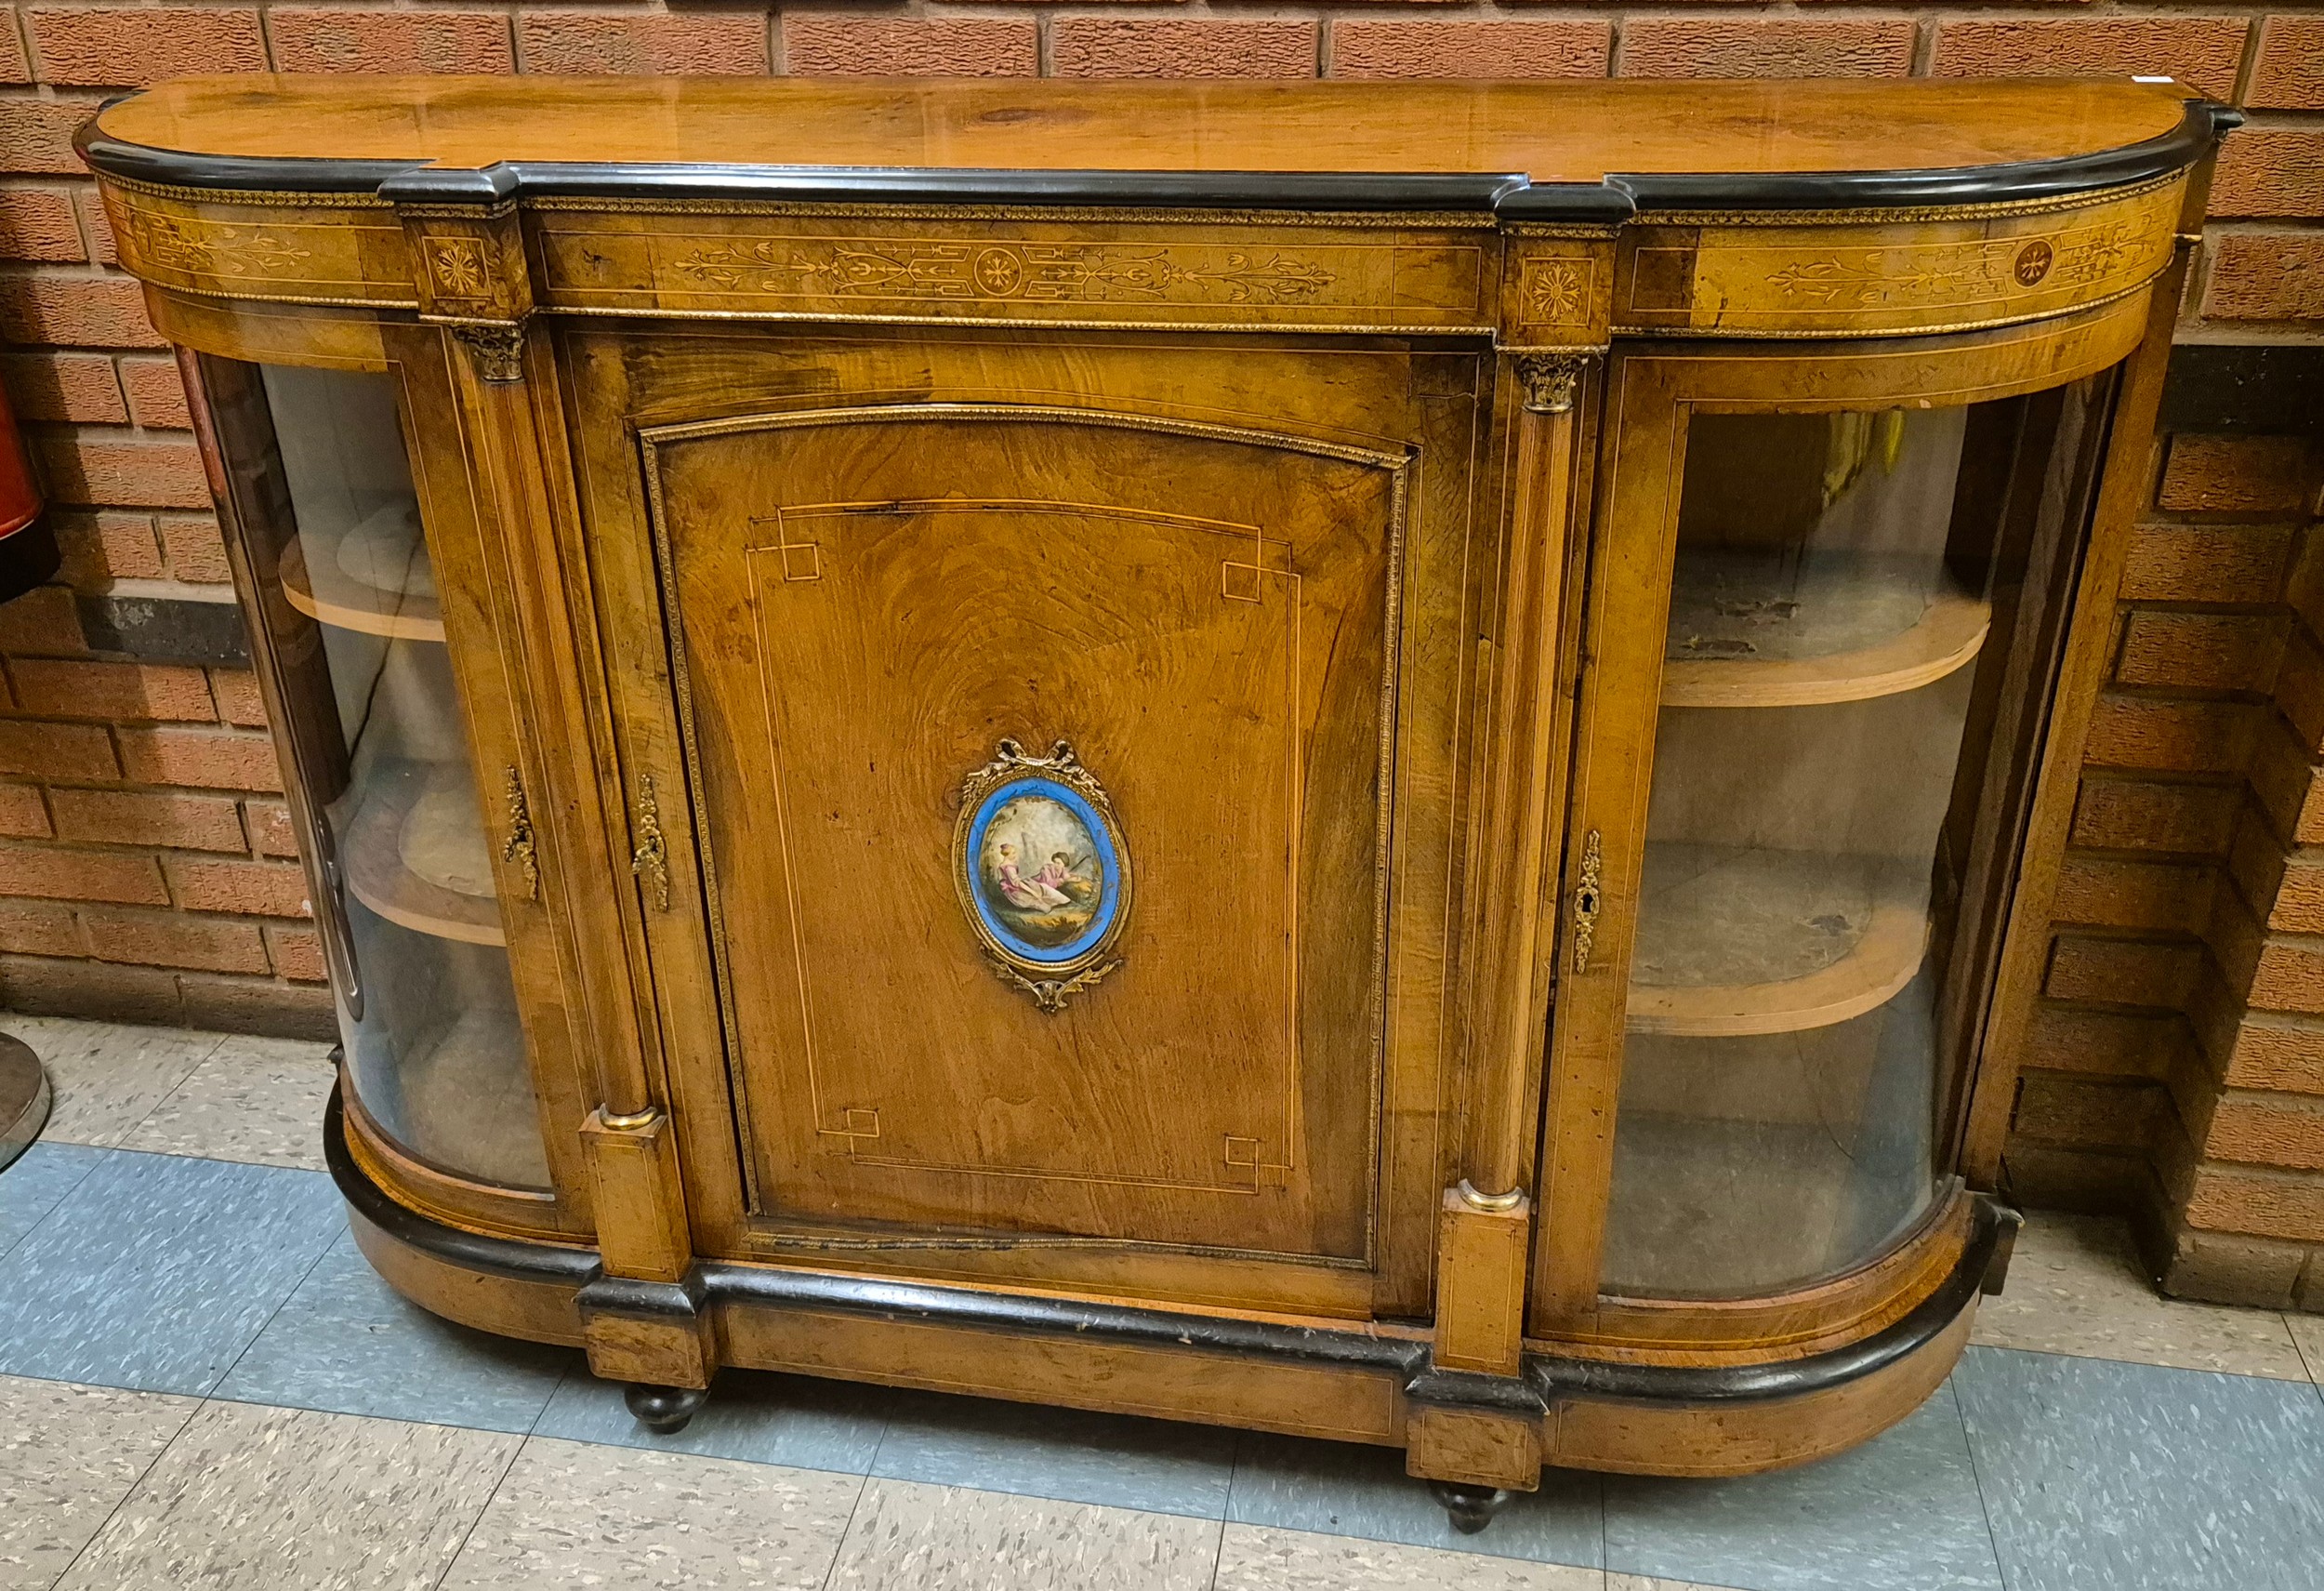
[
  {"x": 590, "y": 43},
  {"x": 2266, "y": 1132},
  {"x": 2122, "y": 971},
  {"x": 2266, "y": 276},
  {"x": 95, "y": 226},
  {"x": 108, "y": 546},
  {"x": 94, "y": 312},
  {"x": 2100, "y": 893},
  {"x": 298, "y": 953},
  {"x": 93, "y": 466},
  {"x": 150, "y": 691},
  {"x": 55, "y": 873},
  {"x": 15, "y": 65},
  {"x": 64, "y": 386},
  {"x": 205, "y": 759},
  {"x": 390, "y": 41},
  {"x": 2206, "y": 562},
  {"x": 36, "y": 134},
  {"x": 238, "y": 698},
  {"x": 38, "y": 223},
  {"x": 42, "y": 622},
  {"x": 2288, "y": 74},
  {"x": 1172, "y": 46},
  {"x": 1690, "y": 46},
  {"x": 820, "y": 44},
  {"x": 157, "y": 394},
  {"x": 2202, "y": 52},
  {"x": 269, "y": 823},
  {"x": 251, "y": 889},
  {"x": 56, "y": 750},
  {"x": 126, "y": 45},
  {"x": 174, "y": 939},
  {"x": 2175, "y": 736},
  {"x": 2283, "y": 1205},
  {"x": 38, "y": 928},
  {"x": 195, "y": 551},
  {"x": 173, "y": 818},
  {"x": 2200, "y": 650},
  {"x": 2132, "y": 814},
  {"x": 2270, "y": 171},
  {"x": 2289, "y": 976},
  {"x": 22, "y": 816},
  {"x": 1430, "y": 48},
  {"x": 2238, "y": 474}
]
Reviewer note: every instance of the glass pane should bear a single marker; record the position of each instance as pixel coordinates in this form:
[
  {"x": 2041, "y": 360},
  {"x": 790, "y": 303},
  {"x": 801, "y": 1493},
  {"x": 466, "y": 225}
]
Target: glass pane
[
  {"x": 426, "y": 1007},
  {"x": 1846, "y": 598}
]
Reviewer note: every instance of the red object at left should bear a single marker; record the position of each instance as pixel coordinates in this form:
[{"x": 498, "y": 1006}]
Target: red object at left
[{"x": 28, "y": 543}]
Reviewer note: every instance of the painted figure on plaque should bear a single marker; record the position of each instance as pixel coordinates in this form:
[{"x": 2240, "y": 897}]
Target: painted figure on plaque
[{"x": 1042, "y": 871}]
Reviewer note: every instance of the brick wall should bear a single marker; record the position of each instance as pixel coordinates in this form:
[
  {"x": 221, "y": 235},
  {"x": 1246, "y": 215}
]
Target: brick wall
[{"x": 2178, "y": 1069}]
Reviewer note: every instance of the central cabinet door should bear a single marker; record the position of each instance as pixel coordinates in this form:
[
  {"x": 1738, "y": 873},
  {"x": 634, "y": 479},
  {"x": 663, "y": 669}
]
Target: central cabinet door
[{"x": 1040, "y": 721}]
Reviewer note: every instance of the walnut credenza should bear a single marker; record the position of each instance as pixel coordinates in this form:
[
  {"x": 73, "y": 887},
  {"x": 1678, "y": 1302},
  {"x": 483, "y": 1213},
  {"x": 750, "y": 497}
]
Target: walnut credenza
[{"x": 1377, "y": 761}]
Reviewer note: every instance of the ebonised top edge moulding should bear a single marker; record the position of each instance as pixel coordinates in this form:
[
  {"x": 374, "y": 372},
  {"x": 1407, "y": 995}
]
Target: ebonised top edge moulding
[
  {"x": 1156, "y": 144},
  {"x": 1386, "y": 762}
]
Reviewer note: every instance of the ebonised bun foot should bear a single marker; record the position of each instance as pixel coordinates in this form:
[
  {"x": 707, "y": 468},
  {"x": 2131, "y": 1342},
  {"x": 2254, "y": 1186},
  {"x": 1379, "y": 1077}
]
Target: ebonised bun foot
[
  {"x": 1472, "y": 1508},
  {"x": 663, "y": 1409}
]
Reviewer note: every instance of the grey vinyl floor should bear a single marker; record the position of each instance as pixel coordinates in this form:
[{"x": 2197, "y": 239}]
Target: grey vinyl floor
[{"x": 201, "y": 1384}]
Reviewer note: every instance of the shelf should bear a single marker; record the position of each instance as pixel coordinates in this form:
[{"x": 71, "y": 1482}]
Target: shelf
[
  {"x": 377, "y": 579},
  {"x": 467, "y": 1101},
  {"x": 1750, "y": 630},
  {"x": 409, "y": 841},
  {"x": 1734, "y": 941}
]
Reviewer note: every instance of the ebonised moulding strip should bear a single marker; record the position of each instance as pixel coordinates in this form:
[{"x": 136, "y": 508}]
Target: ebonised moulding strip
[
  {"x": 1926, "y": 1321},
  {"x": 1546, "y": 1378},
  {"x": 1513, "y": 196},
  {"x": 473, "y": 1250}
]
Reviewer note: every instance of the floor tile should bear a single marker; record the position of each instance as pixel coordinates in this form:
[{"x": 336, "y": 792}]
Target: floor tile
[
  {"x": 106, "y": 1076},
  {"x": 253, "y": 1099},
  {"x": 68, "y": 1456},
  {"x": 2101, "y": 1476},
  {"x": 36, "y": 1183},
  {"x": 347, "y": 1344},
  {"x": 1346, "y": 1490},
  {"x": 1159, "y": 1466},
  {"x": 1648, "y": 1583},
  {"x": 909, "y": 1537},
  {"x": 1253, "y": 1557},
  {"x": 289, "y": 1500},
  {"x": 2076, "y": 1286},
  {"x": 570, "y": 1515},
  {"x": 1900, "y": 1512},
  {"x": 2307, "y": 1333},
  {"x": 156, "y": 1271},
  {"x": 796, "y": 1420}
]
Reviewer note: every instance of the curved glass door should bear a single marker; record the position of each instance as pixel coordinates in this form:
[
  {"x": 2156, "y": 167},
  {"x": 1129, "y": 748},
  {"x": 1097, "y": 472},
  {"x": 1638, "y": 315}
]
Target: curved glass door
[
  {"x": 408, "y": 901},
  {"x": 1850, "y": 598}
]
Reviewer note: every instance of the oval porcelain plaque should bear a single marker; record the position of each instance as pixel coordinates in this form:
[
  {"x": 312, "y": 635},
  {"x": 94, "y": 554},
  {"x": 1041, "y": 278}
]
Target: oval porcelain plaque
[{"x": 1041, "y": 871}]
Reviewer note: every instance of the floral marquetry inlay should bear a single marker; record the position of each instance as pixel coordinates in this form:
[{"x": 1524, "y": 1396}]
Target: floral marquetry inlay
[
  {"x": 458, "y": 264},
  {"x": 1066, "y": 273},
  {"x": 211, "y": 248}
]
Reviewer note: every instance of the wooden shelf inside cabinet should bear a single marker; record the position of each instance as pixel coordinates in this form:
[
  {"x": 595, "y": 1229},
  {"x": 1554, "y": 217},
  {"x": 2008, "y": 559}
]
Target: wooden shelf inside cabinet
[
  {"x": 400, "y": 804},
  {"x": 1755, "y": 630},
  {"x": 375, "y": 578},
  {"x": 1734, "y": 940}
]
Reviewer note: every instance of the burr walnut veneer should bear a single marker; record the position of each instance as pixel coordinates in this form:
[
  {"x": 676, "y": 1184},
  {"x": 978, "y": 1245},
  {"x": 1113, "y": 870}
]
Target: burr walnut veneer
[{"x": 1380, "y": 761}]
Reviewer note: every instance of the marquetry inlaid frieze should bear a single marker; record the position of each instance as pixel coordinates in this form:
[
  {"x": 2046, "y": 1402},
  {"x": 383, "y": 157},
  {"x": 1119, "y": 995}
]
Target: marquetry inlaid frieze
[
  {"x": 1882, "y": 275},
  {"x": 332, "y": 253},
  {"x": 1013, "y": 269}
]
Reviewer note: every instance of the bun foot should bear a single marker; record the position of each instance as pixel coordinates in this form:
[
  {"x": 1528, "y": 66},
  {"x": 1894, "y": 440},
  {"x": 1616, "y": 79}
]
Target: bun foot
[
  {"x": 1470, "y": 1507},
  {"x": 664, "y": 1410}
]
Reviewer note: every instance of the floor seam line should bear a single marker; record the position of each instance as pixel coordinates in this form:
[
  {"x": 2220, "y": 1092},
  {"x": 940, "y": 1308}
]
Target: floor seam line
[
  {"x": 453, "y": 1560},
  {"x": 847, "y": 1527},
  {"x": 273, "y": 1315},
  {"x": 199, "y": 1061},
  {"x": 1976, "y": 1478},
  {"x": 199, "y": 1404},
  {"x": 97, "y": 1154}
]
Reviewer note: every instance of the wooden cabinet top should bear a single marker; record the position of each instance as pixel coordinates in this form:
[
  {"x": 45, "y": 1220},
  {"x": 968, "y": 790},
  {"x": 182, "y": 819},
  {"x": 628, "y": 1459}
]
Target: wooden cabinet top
[{"x": 1583, "y": 149}]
